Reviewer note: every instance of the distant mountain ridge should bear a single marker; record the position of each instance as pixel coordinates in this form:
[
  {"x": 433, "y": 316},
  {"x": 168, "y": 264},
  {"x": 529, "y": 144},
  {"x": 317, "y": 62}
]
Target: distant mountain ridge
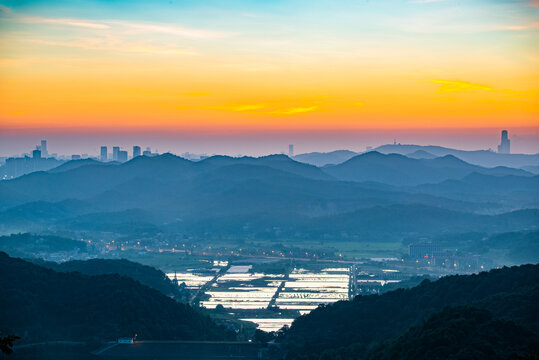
[
  {"x": 395, "y": 169},
  {"x": 149, "y": 193},
  {"x": 483, "y": 158}
]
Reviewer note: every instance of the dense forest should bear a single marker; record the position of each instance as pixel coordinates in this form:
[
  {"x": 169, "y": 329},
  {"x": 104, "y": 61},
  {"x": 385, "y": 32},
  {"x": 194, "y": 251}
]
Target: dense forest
[
  {"x": 144, "y": 274},
  {"x": 41, "y": 304},
  {"x": 498, "y": 301},
  {"x": 29, "y": 244}
]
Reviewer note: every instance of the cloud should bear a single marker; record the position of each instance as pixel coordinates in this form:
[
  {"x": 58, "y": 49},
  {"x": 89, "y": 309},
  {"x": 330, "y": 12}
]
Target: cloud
[
  {"x": 295, "y": 111},
  {"x": 534, "y": 3},
  {"x": 172, "y": 30},
  {"x": 249, "y": 107},
  {"x": 450, "y": 86},
  {"x": 134, "y": 27},
  {"x": 4, "y": 10},
  {"x": 116, "y": 45},
  {"x": 70, "y": 22},
  {"x": 531, "y": 26}
]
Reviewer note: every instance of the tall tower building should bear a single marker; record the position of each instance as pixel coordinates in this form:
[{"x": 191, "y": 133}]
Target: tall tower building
[
  {"x": 103, "y": 153},
  {"x": 291, "y": 150},
  {"x": 136, "y": 151},
  {"x": 44, "y": 152},
  {"x": 505, "y": 145},
  {"x": 115, "y": 152}
]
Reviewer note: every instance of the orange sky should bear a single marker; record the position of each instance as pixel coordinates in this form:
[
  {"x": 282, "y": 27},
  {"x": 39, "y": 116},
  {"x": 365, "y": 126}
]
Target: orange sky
[{"x": 446, "y": 64}]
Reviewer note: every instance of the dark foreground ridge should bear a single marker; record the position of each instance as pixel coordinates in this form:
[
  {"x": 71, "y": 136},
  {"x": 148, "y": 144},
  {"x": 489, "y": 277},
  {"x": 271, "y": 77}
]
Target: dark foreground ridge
[
  {"x": 40, "y": 304},
  {"x": 489, "y": 305}
]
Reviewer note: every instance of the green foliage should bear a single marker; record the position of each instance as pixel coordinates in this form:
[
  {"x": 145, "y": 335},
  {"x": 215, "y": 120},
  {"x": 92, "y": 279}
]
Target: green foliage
[
  {"x": 146, "y": 275},
  {"x": 30, "y": 244},
  {"x": 509, "y": 293},
  {"x": 41, "y": 304}
]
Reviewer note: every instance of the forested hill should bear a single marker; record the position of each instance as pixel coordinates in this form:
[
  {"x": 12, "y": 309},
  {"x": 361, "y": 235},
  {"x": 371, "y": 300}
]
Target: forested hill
[
  {"x": 41, "y": 304},
  {"x": 357, "y": 326},
  {"x": 146, "y": 275}
]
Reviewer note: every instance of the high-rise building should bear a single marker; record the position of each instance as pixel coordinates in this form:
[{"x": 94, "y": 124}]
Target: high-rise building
[
  {"x": 103, "y": 154},
  {"x": 505, "y": 145},
  {"x": 136, "y": 151},
  {"x": 36, "y": 154},
  {"x": 291, "y": 150},
  {"x": 115, "y": 151},
  {"x": 44, "y": 151},
  {"x": 122, "y": 156}
]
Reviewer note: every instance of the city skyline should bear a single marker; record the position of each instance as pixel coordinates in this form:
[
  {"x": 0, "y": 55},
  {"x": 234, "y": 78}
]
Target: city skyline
[{"x": 522, "y": 141}]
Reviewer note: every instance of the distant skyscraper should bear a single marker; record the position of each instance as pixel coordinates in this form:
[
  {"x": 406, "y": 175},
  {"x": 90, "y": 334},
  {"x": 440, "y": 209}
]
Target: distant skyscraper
[
  {"x": 505, "y": 145},
  {"x": 115, "y": 151},
  {"x": 36, "y": 154},
  {"x": 103, "y": 155},
  {"x": 136, "y": 151},
  {"x": 44, "y": 151},
  {"x": 122, "y": 156},
  {"x": 291, "y": 150}
]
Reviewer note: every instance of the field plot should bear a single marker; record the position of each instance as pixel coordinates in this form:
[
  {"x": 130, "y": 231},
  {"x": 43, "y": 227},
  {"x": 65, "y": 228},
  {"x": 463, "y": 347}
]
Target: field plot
[
  {"x": 305, "y": 290},
  {"x": 243, "y": 290}
]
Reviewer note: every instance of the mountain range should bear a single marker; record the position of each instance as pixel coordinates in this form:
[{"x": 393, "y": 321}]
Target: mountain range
[
  {"x": 250, "y": 196},
  {"x": 484, "y": 158}
]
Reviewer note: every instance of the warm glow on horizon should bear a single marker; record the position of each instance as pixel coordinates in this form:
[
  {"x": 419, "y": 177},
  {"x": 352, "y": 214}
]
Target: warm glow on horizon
[{"x": 269, "y": 66}]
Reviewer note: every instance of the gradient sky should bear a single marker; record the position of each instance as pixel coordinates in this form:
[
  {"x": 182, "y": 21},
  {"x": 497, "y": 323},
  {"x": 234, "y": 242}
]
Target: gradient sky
[{"x": 252, "y": 76}]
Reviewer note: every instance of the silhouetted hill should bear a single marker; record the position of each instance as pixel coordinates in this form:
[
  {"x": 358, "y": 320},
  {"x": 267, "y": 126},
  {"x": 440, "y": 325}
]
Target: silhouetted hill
[
  {"x": 398, "y": 169},
  {"x": 278, "y": 162},
  {"x": 461, "y": 333},
  {"x": 87, "y": 181},
  {"x": 514, "y": 191},
  {"x": 508, "y": 293},
  {"x": 73, "y": 164},
  {"x": 144, "y": 274},
  {"x": 421, "y": 154},
  {"x": 478, "y": 157},
  {"x": 322, "y": 159},
  {"x": 29, "y": 244},
  {"x": 40, "y": 304}
]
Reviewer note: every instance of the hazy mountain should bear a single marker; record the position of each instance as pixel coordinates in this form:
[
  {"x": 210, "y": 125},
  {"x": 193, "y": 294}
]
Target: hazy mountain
[
  {"x": 322, "y": 159},
  {"x": 28, "y": 245},
  {"x": 227, "y": 195},
  {"x": 478, "y": 157},
  {"x": 421, "y": 154},
  {"x": 73, "y": 164},
  {"x": 513, "y": 191},
  {"x": 398, "y": 169},
  {"x": 40, "y": 304},
  {"x": 532, "y": 169}
]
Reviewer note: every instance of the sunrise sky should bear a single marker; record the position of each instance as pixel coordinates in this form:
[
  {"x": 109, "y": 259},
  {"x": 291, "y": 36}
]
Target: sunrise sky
[{"x": 253, "y": 76}]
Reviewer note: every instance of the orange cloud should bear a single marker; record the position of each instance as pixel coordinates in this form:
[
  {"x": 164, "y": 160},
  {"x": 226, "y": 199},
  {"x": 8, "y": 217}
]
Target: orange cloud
[{"x": 449, "y": 86}]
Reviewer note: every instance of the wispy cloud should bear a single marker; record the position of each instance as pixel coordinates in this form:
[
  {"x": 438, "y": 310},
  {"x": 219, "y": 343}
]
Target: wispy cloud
[
  {"x": 451, "y": 86},
  {"x": 172, "y": 30},
  {"x": 295, "y": 111},
  {"x": 69, "y": 22},
  {"x": 532, "y": 26},
  {"x": 116, "y": 45},
  {"x": 125, "y": 26}
]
